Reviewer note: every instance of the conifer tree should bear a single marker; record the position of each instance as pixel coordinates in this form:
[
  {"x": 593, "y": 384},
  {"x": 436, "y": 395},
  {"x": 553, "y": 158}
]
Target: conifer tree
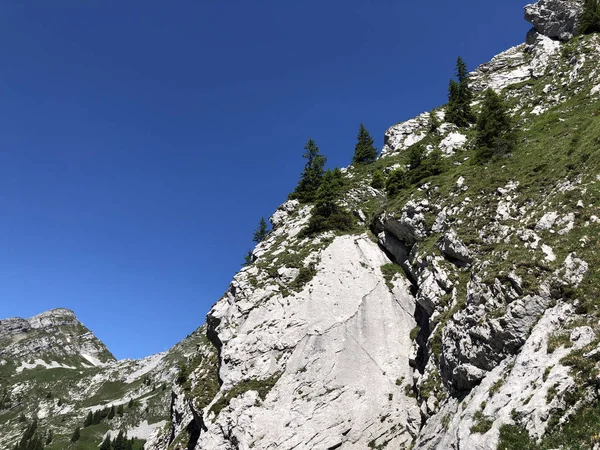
[
  {"x": 119, "y": 442},
  {"x": 312, "y": 174},
  {"x": 111, "y": 413},
  {"x": 378, "y": 180},
  {"x": 434, "y": 121},
  {"x": 248, "y": 259},
  {"x": 30, "y": 439},
  {"x": 327, "y": 214},
  {"x": 106, "y": 443},
  {"x": 494, "y": 128},
  {"x": 76, "y": 435},
  {"x": 49, "y": 437},
  {"x": 364, "y": 151},
  {"x": 589, "y": 22},
  {"x": 88, "y": 420},
  {"x": 261, "y": 232},
  {"x": 120, "y": 410},
  {"x": 460, "y": 97}
]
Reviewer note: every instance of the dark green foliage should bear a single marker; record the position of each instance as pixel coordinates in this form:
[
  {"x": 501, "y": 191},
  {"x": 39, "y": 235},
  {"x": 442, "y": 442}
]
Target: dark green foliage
[
  {"x": 434, "y": 121},
  {"x": 50, "y": 437},
  {"x": 313, "y": 172},
  {"x": 119, "y": 442},
  {"x": 22, "y": 418},
  {"x": 106, "y": 443},
  {"x": 364, "y": 151},
  {"x": 76, "y": 435},
  {"x": 111, "y": 413},
  {"x": 429, "y": 165},
  {"x": 261, "y": 232},
  {"x": 378, "y": 180},
  {"x": 416, "y": 155},
  {"x": 396, "y": 182},
  {"x": 30, "y": 440},
  {"x": 182, "y": 377},
  {"x": 129, "y": 405},
  {"x": 460, "y": 97},
  {"x": 5, "y": 401},
  {"x": 327, "y": 214},
  {"x": 248, "y": 259},
  {"x": 120, "y": 410},
  {"x": 419, "y": 167},
  {"x": 30, "y": 431},
  {"x": 96, "y": 417},
  {"x": 494, "y": 128},
  {"x": 589, "y": 21}
]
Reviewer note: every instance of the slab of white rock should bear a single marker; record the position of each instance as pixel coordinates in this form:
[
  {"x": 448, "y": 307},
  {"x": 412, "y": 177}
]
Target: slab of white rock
[{"x": 344, "y": 340}]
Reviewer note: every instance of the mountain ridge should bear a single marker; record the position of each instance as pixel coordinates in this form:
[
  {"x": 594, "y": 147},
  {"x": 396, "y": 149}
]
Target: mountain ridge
[{"x": 459, "y": 312}]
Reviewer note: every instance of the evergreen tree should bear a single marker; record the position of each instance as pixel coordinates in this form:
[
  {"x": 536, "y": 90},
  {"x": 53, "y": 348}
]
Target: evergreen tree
[
  {"x": 415, "y": 155},
  {"x": 327, "y": 214},
  {"x": 248, "y": 259},
  {"x": 434, "y": 121},
  {"x": 120, "y": 408},
  {"x": 106, "y": 443},
  {"x": 494, "y": 128},
  {"x": 119, "y": 442},
  {"x": 76, "y": 435},
  {"x": 421, "y": 166},
  {"x": 111, "y": 413},
  {"x": 36, "y": 443},
  {"x": 30, "y": 431},
  {"x": 88, "y": 420},
  {"x": 30, "y": 439},
  {"x": 313, "y": 172},
  {"x": 261, "y": 232},
  {"x": 378, "y": 180},
  {"x": 460, "y": 97},
  {"x": 396, "y": 182},
  {"x": 50, "y": 437},
  {"x": 364, "y": 151},
  {"x": 589, "y": 21}
]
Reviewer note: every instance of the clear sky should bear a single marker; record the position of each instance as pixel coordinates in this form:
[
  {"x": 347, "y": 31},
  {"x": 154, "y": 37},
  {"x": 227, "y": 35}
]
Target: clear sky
[{"x": 141, "y": 141}]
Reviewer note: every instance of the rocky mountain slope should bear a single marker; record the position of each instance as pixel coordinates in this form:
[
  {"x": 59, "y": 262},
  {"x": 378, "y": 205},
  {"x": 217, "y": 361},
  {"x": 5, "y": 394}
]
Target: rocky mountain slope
[
  {"x": 54, "y": 369},
  {"x": 458, "y": 313}
]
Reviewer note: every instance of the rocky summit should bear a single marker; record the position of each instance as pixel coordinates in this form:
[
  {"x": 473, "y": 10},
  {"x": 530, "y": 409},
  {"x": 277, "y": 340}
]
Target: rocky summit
[{"x": 456, "y": 309}]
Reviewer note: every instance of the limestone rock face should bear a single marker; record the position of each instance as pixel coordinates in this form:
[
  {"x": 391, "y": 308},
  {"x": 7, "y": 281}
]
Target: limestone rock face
[
  {"x": 55, "y": 335},
  {"x": 556, "y": 19},
  {"x": 336, "y": 347}
]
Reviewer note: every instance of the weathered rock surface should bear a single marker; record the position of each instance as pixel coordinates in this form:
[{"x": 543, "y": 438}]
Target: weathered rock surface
[
  {"x": 338, "y": 347},
  {"x": 556, "y": 19},
  {"x": 55, "y": 335}
]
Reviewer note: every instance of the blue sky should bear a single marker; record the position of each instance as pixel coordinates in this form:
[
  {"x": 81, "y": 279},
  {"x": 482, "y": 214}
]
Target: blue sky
[{"x": 141, "y": 142}]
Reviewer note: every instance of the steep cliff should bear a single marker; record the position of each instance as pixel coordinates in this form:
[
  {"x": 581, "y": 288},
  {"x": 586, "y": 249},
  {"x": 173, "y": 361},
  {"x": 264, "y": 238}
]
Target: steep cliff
[{"x": 460, "y": 312}]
